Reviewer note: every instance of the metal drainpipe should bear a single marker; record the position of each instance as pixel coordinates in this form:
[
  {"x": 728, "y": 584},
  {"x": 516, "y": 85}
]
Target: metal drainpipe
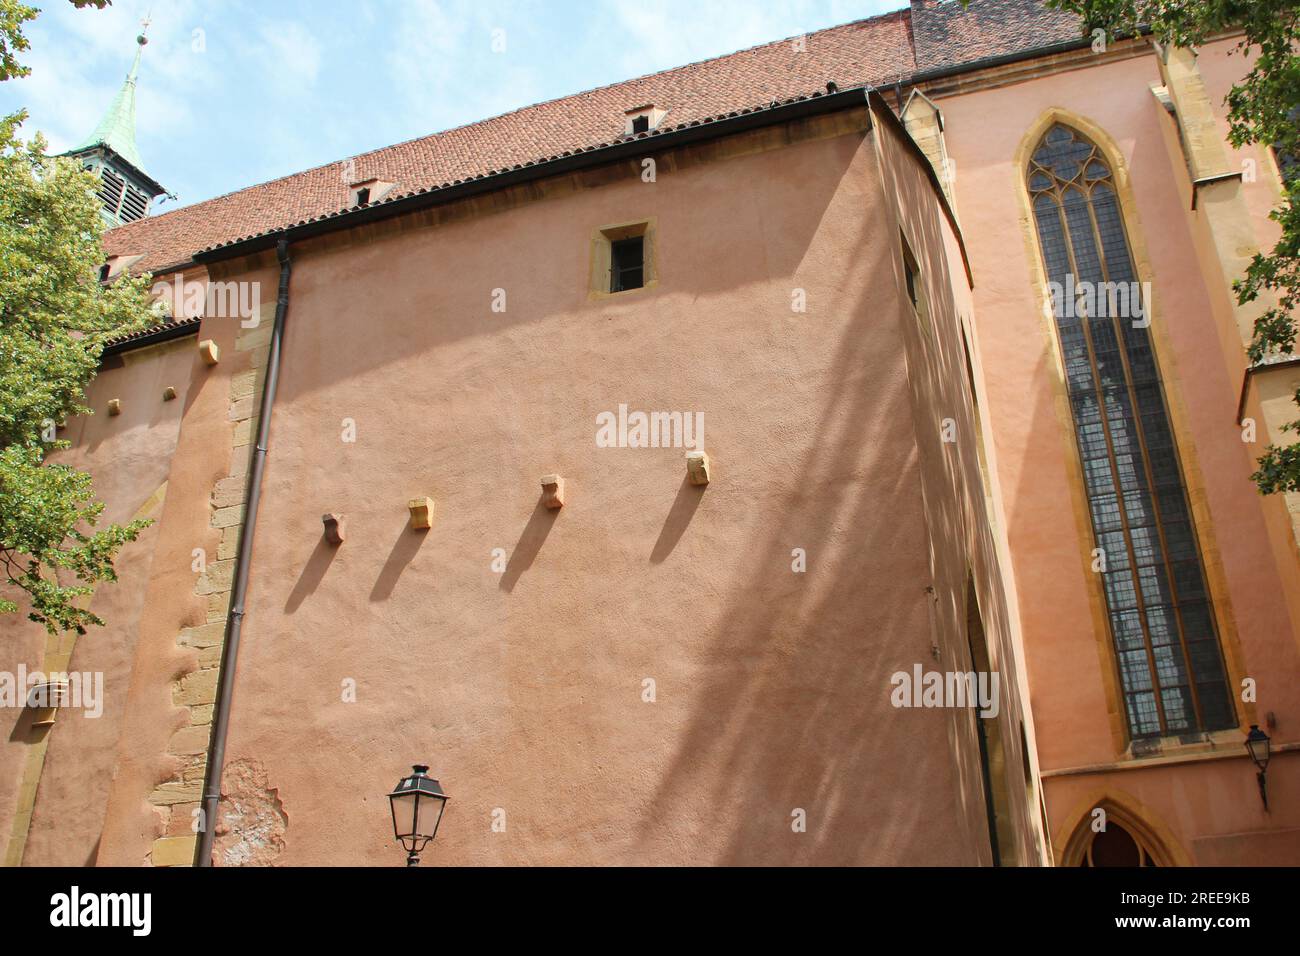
[{"x": 235, "y": 622}]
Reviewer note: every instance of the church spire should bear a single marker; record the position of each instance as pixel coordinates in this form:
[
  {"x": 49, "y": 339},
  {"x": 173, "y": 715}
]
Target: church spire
[
  {"x": 117, "y": 129},
  {"x": 110, "y": 150}
]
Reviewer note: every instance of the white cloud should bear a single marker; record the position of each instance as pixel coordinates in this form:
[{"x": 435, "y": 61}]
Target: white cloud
[{"x": 290, "y": 52}]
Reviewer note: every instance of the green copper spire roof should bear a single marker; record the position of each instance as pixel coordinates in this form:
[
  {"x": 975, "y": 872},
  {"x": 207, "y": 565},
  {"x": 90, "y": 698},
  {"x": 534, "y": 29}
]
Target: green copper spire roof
[{"x": 117, "y": 129}]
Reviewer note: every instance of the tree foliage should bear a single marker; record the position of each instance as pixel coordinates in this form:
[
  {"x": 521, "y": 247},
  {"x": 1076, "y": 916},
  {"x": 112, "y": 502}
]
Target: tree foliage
[
  {"x": 55, "y": 316},
  {"x": 1263, "y": 108}
]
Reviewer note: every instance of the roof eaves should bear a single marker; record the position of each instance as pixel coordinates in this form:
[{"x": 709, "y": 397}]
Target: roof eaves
[
  {"x": 397, "y": 203},
  {"x": 148, "y": 180},
  {"x": 152, "y": 336}
]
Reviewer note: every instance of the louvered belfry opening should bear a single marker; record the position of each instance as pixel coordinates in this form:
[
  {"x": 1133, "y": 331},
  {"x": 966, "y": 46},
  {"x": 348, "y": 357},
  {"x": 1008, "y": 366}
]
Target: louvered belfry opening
[
  {"x": 121, "y": 201},
  {"x": 1161, "y": 619}
]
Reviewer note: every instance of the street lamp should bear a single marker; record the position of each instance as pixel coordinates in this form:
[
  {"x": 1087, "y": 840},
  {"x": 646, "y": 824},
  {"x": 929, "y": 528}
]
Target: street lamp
[
  {"x": 417, "y": 804},
  {"x": 1258, "y": 745}
]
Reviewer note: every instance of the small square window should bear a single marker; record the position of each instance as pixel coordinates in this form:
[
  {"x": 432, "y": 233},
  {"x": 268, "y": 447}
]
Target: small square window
[
  {"x": 623, "y": 258},
  {"x": 640, "y": 124},
  {"x": 627, "y": 264},
  {"x": 363, "y": 196}
]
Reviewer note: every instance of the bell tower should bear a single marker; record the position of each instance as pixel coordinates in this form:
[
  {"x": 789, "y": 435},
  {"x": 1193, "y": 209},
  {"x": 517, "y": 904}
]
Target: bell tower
[{"x": 125, "y": 189}]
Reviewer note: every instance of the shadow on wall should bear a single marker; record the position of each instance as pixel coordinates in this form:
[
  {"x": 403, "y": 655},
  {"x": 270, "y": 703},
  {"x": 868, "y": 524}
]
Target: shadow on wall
[
  {"x": 313, "y": 573},
  {"x": 960, "y": 526},
  {"x": 679, "y": 517},
  {"x": 457, "y": 246},
  {"x": 405, "y": 548},
  {"x": 529, "y": 544},
  {"x": 25, "y": 729},
  {"x": 790, "y": 702},
  {"x": 793, "y": 712}
]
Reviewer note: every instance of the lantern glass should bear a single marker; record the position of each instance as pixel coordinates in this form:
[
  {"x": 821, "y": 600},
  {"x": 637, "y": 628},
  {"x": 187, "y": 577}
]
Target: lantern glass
[
  {"x": 404, "y": 815},
  {"x": 428, "y": 813},
  {"x": 417, "y": 804},
  {"x": 1258, "y": 745}
]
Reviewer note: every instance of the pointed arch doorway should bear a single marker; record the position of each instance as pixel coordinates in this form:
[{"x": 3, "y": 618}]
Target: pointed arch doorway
[{"x": 1116, "y": 837}]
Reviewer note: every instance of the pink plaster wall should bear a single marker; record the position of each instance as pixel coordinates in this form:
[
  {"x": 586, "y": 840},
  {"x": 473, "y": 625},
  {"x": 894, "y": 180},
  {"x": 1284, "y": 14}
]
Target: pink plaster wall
[
  {"x": 202, "y": 457},
  {"x": 1035, "y": 446},
  {"x": 130, "y": 456},
  {"x": 523, "y": 690},
  {"x": 1222, "y": 67},
  {"x": 961, "y": 534}
]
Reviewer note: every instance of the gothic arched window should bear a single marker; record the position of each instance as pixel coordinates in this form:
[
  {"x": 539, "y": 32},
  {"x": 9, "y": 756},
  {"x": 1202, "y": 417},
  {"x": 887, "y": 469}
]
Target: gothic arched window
[{"x": 1162, "y": 625}]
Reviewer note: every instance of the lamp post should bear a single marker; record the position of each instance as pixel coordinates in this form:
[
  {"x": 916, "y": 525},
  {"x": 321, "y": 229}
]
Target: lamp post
[
  {"x": 417, "y": 803},
  {"x": 1258, "y": 745}
]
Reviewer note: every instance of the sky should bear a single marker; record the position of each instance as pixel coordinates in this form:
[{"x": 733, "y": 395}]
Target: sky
[{"x": 234, "y": 93}]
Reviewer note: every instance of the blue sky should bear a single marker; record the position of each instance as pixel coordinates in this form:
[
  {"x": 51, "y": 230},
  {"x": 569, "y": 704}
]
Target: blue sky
[{"x": 234, "y": 93}]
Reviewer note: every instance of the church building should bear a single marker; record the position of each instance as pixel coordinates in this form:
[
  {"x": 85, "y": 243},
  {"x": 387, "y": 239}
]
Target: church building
[{"x": 833, "y": 453}]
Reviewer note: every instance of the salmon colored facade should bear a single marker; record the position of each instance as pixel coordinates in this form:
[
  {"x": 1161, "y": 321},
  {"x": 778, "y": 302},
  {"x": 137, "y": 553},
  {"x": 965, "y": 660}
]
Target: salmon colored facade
[
  {"x": 1198, "y": 799},
  {"x": 844, "y": 289}
]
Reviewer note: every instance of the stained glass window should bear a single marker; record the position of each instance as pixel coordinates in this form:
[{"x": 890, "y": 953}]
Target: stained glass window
[{"x": 1170, "y": 666}]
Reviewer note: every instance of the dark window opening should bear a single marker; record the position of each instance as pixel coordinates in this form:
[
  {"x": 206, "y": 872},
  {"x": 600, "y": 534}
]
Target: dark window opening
[
  {"x": 1115, "y": 846},
  {"x": 134, "y": 205},
  {"x": 363, "y": 195},
  {"x": 914, "y": 286},
  {"x": 640, "y": 124},
  {"x": 103, "y": 272},
  {"x": 627, "y": 264},
  {"x": 989, "y": 735},
  {"x": 111, "y": 188},
  {"x": 912, "y": 273}
]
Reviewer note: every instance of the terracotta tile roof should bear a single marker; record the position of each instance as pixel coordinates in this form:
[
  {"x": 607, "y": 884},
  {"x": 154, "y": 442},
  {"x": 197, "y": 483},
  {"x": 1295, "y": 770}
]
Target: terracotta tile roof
[
  {"x": 950, "y": 35},
  {"x": 153, "y": 332},
  {"x": 876, "y": 51}
]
